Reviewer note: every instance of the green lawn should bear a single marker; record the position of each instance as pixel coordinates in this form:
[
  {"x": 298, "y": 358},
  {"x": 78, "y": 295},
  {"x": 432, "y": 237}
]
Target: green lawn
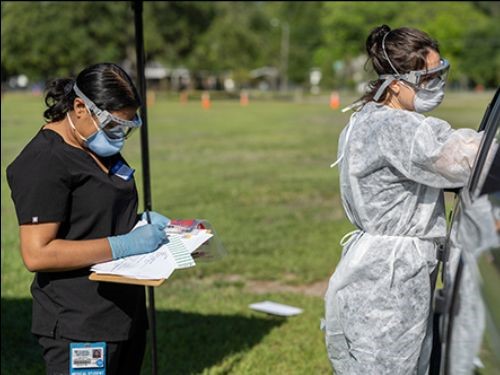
[{"x": 260, "y": 174}]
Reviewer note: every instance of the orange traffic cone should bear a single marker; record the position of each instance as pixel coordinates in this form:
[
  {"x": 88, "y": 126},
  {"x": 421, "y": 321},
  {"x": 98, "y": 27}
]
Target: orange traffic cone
[
  {"x": 244, "y": 98},
  {"x": 334, "y": 100},
  {"x": 205, "y": 100}
]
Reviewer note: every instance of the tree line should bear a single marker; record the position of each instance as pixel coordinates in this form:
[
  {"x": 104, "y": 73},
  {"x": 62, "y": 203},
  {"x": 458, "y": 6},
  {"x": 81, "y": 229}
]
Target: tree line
[{"x": 44, "y": 39}]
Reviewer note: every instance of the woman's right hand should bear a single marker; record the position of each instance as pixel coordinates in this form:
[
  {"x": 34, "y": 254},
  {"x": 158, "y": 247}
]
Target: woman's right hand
[
  {"x": 144, "y": 239},
  {"x": 155, "y": 218}
]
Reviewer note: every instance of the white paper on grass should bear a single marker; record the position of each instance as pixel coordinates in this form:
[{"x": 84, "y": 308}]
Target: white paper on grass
[
  {"x": 161, "y": 263},
  {"x": 275, "y": 308}
]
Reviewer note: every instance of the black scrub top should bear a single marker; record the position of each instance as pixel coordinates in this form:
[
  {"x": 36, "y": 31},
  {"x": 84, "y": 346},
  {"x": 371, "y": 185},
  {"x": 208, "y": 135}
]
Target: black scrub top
[{"x": 52, "y": 181}]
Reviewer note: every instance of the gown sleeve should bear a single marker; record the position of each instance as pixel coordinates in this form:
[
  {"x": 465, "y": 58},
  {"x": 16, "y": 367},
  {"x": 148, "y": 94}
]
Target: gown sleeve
[{"x": 427, "y": 150}]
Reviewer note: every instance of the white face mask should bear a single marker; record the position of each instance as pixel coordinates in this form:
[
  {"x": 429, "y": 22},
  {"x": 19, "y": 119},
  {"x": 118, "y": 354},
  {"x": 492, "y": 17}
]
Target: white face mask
[{"x": 425, "y": 100}]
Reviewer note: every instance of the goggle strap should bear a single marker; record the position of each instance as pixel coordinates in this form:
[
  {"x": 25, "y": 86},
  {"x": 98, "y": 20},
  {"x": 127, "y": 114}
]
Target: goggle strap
[
  {"x": 87, "y": 101},
  {"x": 387, "y": 56},
  {"x": 388, "y": 79},
  {"x": 102, "y": 115}
]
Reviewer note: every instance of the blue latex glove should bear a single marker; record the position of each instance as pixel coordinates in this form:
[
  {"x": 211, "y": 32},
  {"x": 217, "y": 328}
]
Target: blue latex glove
[
  {"x": 156, "y": 218},
  {"x": 141, "y": 240}
]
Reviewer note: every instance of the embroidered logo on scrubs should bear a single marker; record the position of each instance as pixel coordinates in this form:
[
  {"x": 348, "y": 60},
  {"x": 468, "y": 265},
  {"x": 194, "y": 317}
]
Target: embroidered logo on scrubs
[
  {"x": 87, "y": 358},
  {"x": 120, "y": 169}
]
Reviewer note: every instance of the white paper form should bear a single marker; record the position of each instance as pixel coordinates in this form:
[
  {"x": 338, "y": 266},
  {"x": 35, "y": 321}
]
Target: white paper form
[
  {"x": 182, "y": 256},
  {"x": 195, "y": 239},
  {"x": 275, "y": 308},
  {"x": 156, "y": 265},
  {"x": 161, "y": 263}
]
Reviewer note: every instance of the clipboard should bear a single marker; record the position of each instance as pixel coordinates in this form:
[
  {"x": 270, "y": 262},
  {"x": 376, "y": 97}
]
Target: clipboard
[
  {"x": 125, "y": 280},
  {"x": 210, "y": 250}
]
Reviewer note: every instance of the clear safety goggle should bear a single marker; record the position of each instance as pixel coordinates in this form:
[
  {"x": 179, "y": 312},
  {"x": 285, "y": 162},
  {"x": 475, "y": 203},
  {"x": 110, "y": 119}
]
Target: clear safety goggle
[
  {"x": 427, "y": 79},
  {"x": 113, "y": 126}
]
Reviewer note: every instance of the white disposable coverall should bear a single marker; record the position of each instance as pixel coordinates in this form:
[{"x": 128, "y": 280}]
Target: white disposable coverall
[{"x": 394, "y": 166}]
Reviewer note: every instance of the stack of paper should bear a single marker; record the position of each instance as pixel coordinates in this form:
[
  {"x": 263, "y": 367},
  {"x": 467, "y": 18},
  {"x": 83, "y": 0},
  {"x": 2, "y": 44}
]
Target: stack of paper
[
  {"x": 161, "y": 263},
  {"x": 275, "y": 308}
]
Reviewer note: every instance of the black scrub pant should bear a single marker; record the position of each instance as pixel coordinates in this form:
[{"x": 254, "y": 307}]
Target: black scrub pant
[{"x": 123, "y": 357}]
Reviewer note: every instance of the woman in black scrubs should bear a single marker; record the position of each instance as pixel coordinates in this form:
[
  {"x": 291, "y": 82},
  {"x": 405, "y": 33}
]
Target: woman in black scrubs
[{"x": 76, "y": 204}]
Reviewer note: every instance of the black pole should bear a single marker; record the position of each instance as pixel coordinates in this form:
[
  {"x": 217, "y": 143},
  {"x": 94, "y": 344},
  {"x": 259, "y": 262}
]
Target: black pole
[{"x": 139, "y": 44}]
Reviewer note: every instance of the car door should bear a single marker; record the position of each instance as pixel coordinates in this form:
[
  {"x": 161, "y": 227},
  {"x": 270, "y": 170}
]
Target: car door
[{"x": 467, "y": 319}]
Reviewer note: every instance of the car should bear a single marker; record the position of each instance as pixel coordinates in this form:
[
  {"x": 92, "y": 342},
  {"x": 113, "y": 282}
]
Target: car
[{"x": 466, "y": 330}]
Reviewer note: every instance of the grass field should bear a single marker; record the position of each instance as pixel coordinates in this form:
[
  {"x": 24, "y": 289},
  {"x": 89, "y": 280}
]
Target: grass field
[{"x": 260, "y": 174}]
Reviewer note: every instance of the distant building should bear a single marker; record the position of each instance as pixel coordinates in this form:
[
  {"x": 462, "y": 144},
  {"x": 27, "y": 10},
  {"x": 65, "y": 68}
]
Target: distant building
[{"x": 265, "y": 78}]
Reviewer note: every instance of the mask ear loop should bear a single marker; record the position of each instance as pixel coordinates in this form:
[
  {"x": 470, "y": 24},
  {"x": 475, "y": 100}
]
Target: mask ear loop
[
  {"x": 93, "y": 121},
  {"x": 74, "y": 128}
]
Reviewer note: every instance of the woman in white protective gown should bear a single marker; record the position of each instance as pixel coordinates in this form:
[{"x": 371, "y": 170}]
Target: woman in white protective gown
[{"x": 393, "y": 164}]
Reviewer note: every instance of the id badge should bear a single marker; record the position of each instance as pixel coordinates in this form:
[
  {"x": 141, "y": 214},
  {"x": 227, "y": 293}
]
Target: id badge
[
  {"x": 120, "y": 169},
  {"x": 87, "y": 358}
]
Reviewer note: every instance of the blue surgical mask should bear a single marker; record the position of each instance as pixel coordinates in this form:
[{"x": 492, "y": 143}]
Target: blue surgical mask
[
  {"x": 102, "y": 145},
  {"x": 99, "y": 142}
]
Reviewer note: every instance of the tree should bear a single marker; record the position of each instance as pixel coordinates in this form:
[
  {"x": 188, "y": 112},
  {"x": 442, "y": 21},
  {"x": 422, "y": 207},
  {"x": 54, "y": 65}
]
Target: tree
[
  {"x": 346, "y": 26},
  {"x": 242, "y": 37},
  {"x": 480, "y": 57},
  {"x": 235, "y": 40},
  {"x": 174, "y": 28},
  {"x": 305, "y": 35},
  {"x": 46, "y": 39}
]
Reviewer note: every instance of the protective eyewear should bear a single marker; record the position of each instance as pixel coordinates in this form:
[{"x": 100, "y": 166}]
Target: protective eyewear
[
  {"x": 428, "y": 78},
  {"x": 425, "y": 78},
  {"x": 113, "y": 126}
]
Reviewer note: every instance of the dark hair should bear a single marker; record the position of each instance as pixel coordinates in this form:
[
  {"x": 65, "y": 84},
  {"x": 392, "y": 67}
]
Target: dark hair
[
  {"x": 407, "y": 49},
  {"x": 106, "y": 84}
]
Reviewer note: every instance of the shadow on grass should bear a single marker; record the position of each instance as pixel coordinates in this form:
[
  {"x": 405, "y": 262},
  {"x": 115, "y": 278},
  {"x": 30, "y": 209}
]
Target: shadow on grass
[
  {"x": 187, "y": 342},
  {"x": 21, "y": 353}
]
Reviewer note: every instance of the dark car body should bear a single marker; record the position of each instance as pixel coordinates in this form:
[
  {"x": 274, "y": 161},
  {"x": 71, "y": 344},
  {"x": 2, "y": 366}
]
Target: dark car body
[{"x": 467, "y": 317}]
